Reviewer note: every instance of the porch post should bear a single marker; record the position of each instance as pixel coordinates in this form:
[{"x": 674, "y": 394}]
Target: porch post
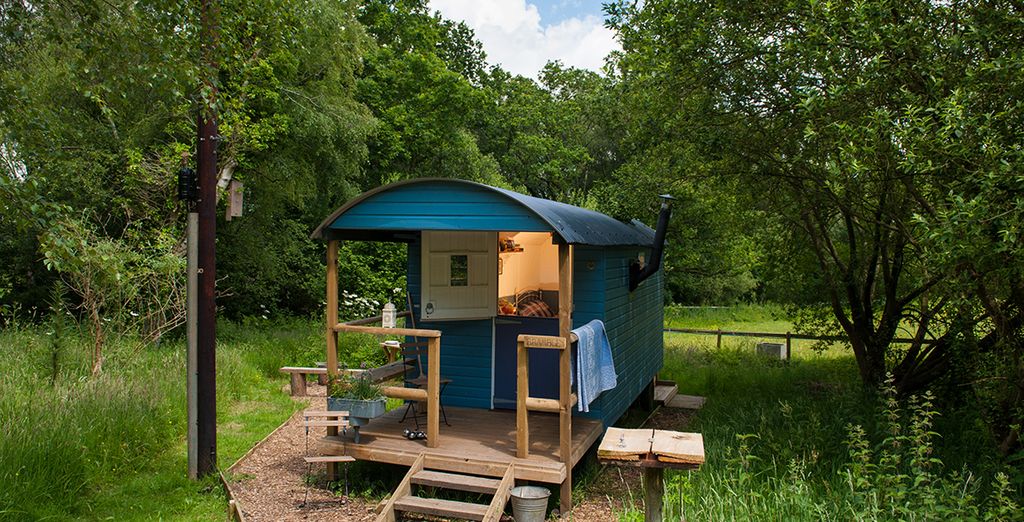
[
  {"x": 522, "y": 392},
  {"x": 433, "y": 391},
  {"x": 565, "y": 411},
  {"x": 332, "y": 334},
  {"x": 332, "y": 307}
]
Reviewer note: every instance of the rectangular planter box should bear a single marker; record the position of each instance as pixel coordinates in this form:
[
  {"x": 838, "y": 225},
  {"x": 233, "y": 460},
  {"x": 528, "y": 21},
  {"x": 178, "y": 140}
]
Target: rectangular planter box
[{"x": 357, "y": 408}]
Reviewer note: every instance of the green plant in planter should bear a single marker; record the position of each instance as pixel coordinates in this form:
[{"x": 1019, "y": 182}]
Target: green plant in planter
[
  {"x": 355, "y": 388},
  {"x": 360, "y": 397}
]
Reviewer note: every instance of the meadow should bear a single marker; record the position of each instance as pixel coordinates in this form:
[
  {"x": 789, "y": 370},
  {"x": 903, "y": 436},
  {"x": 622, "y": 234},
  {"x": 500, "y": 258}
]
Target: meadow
[
  {"x": 782, "y": 439},
  {"x": 802, "y": 440}
]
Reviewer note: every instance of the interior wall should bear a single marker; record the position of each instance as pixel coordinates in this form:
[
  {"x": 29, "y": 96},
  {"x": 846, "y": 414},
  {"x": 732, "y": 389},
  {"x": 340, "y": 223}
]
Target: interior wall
[{"x": 536, "y": 267}]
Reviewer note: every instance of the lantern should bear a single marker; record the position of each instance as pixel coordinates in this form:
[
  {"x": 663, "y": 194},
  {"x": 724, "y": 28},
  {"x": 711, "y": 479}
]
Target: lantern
[{"x": 388, "y": 316}]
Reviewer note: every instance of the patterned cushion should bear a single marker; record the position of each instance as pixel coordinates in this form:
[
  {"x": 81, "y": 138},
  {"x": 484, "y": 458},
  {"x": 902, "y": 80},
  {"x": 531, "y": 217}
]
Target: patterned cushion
[
  {"x": 528, "y": 296},
  {"x": 535, "y": 309}
]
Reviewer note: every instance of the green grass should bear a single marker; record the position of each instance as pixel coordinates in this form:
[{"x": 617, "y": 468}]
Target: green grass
[
  {"x": 750, "y": 318},
  {"x": 777, "y": 438},
  {"x": 777, "y": 434},
  {"x": 112, "y": 448}
]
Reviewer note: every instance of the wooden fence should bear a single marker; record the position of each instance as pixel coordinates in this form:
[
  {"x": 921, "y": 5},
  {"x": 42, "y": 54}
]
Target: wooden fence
[{"x": 788, "y": 336}]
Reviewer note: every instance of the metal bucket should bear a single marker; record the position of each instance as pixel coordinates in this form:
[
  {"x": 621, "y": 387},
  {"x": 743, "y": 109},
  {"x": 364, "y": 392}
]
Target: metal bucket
[{"x": 529, "y": 503}]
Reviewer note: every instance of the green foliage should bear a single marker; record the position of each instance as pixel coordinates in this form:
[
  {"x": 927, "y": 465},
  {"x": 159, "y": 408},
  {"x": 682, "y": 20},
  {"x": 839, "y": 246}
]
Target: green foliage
[
  {"x": 75, "y": 447},
  {"x": 872, "y": 142},
  {"x": 803, "y": 441},
  {"x": 353, "y": 387}
]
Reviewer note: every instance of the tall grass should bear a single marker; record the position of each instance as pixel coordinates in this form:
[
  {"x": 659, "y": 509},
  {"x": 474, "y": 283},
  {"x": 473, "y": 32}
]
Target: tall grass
[
  {"x": 804, "y": 440},
  {"x": 113, "y": 447}
]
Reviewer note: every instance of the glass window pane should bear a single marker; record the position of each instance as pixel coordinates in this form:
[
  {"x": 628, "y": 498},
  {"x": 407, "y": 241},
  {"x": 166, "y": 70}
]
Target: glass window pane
[{"x": 459, "y": 271}]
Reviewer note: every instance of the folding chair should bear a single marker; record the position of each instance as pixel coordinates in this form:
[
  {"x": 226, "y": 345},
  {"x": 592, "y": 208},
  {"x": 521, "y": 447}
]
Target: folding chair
[
  {"x": 414, "y": 353},
  {"x": 324, "y": 419}
]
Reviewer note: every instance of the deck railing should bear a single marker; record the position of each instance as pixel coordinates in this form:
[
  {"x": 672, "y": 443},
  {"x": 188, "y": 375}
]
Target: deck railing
[
  {"x": 525, "y": 404},
  {"x": 431, "y": 395}
]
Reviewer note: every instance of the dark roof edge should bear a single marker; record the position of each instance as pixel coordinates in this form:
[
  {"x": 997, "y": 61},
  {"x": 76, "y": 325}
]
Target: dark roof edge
[{"x": 519, "y": 199}]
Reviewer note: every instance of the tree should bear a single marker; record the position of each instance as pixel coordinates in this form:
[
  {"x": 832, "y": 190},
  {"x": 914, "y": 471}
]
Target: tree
[
  {"x": 97, "y": 102},
  {"x": 420, "y": 82},
  {"x": 829, "y": 115}
]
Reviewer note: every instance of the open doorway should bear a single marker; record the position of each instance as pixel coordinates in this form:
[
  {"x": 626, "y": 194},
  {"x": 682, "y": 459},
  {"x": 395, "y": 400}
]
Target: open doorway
[{"x": 527, "y": 304}]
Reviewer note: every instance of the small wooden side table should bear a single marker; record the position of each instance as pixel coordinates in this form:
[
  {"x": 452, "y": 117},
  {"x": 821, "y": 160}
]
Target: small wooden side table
[{"x": 653, "y": 451}]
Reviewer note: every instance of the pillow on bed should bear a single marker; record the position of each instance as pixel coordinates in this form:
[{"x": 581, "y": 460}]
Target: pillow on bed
[
  {"x": 535, "y": 309},
  {"x": 528, "y": 296}
]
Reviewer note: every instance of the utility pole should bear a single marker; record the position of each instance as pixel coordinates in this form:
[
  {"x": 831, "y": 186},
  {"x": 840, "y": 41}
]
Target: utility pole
[{"x": 206, "y": 366}]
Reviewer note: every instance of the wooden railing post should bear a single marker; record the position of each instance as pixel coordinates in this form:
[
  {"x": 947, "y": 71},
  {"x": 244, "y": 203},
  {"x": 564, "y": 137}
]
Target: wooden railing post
[
  {"x": 522, "y": 392},
  {"x": 565, "y": 304},
  {"x": 332, "y": 308},
  {"x": 433, "y": 391},
  {"x": 332, "y": 334}
]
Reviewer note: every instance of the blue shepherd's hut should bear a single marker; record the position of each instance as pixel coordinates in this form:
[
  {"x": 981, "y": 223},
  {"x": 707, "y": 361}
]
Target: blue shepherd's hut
[{"x": 487, "y": 265}]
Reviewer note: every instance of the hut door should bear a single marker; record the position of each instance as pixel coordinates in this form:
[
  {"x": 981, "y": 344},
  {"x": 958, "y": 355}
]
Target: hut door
[
  {"x": 543, "y": 363},
  {"x": 459, "y": 278}
]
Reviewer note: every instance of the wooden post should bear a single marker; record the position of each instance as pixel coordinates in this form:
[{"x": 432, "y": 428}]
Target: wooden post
[
  {"x": 298, "y": 384},
  {"x": 719, "y": 344},
  {"x": 788, "y": 340},
  {"x": 193, "y": 342},
  {"x": 565, "y": 303},
  {"x": 522, "y": 392},
  {"x": 332, "y": 308},
  {"x": 332, "y": 335},
  {"x": 654, "y": 492},
  {"x": 433, "y": 391}
]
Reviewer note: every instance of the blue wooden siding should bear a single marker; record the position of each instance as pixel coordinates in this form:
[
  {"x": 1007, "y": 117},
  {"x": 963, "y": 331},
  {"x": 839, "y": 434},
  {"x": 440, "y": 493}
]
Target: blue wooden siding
[
  {"x": 633, "y": 322},
  {"x": 440, "y": 206},
  {"x": 465, "y": 348},
  {"x": 600, "y": 291}
]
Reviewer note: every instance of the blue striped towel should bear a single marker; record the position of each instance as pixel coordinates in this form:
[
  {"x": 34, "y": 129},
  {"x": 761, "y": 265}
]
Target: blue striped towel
[{"x": 595, "y": 370}]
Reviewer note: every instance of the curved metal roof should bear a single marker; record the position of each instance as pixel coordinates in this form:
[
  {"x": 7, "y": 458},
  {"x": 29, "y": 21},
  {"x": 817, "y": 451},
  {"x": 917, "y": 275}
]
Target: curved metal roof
[{"x": 572, "y": 224}]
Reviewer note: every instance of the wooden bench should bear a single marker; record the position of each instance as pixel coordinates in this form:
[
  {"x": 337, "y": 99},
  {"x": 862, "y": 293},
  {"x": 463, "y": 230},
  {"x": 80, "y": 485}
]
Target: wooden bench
[{"x": 298, "y": 375}]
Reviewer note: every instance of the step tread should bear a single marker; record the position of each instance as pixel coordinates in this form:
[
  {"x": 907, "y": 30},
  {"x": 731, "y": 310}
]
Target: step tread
[
  {"x": 441, "y": 508},
  {"x": 456, "y": 481},
  {"x": 329, "y": 458},
  {"x": 689, "y": 402},
  {"x": 665, "y": 393}
]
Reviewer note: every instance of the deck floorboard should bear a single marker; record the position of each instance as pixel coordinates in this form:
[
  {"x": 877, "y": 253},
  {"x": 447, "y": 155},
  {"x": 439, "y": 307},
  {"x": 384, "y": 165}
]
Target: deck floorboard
[{"x": 480, "y": 442}]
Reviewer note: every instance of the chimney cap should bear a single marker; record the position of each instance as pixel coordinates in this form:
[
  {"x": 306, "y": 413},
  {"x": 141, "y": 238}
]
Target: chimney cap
[{"x": 667, "y": 197}]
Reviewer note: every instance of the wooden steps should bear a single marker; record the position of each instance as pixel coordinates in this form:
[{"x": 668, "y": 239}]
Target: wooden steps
[
  {"x": 403, "y": 499},
  {"x": 665, "y": 391},
  {"x": 457, "y": 481},
  {"x": 689, "y": 402},
  {"x": 441, "y": 508},
  {"x": 667, "y": 394}
]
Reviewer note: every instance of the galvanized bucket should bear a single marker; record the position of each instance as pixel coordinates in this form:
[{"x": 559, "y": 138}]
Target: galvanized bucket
[{"x": 530, "y": 503}]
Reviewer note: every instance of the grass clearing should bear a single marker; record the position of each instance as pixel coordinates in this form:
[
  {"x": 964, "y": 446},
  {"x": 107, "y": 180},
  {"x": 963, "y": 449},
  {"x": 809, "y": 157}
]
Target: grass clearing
[
  {"x": 781, "y": 441},
  {"x": 778, "y": 435},
  {"x": 72, "y": 447}
]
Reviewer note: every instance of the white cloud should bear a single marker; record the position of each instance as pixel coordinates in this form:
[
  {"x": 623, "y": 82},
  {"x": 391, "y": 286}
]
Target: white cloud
[{"x": 514, "y": 37}]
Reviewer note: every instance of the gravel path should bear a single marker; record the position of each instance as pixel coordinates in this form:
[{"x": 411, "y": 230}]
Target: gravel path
[{"x": 269, "y": 483}]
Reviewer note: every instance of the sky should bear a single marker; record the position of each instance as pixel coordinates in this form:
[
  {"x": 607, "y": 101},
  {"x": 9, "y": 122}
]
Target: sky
[{"x": 523, "y": 35}]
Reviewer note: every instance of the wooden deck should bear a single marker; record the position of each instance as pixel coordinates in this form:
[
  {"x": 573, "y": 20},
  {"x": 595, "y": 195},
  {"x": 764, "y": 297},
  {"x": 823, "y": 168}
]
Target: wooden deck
[{"x": 480, "y": 442}]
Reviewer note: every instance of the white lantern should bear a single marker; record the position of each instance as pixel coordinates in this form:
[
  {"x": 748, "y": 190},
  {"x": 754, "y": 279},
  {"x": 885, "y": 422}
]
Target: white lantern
[{"x": 388, "y": 316}]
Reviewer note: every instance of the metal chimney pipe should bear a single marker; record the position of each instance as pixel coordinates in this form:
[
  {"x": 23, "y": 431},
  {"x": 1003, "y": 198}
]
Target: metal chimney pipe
[{"x": 637, "y": 274}]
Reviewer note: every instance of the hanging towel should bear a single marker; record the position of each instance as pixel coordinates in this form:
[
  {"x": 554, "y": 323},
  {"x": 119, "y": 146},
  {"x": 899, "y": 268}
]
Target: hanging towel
[{"x": 595, "y": 370}]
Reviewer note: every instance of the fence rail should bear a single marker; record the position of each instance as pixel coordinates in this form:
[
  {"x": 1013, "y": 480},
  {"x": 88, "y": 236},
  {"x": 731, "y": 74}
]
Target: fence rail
[{"x": 788, "y": 336}]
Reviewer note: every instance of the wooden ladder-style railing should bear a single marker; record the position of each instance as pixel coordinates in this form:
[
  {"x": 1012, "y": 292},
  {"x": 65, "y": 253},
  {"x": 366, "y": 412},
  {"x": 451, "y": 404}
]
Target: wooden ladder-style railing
[{"x": 525, "y": 404}]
